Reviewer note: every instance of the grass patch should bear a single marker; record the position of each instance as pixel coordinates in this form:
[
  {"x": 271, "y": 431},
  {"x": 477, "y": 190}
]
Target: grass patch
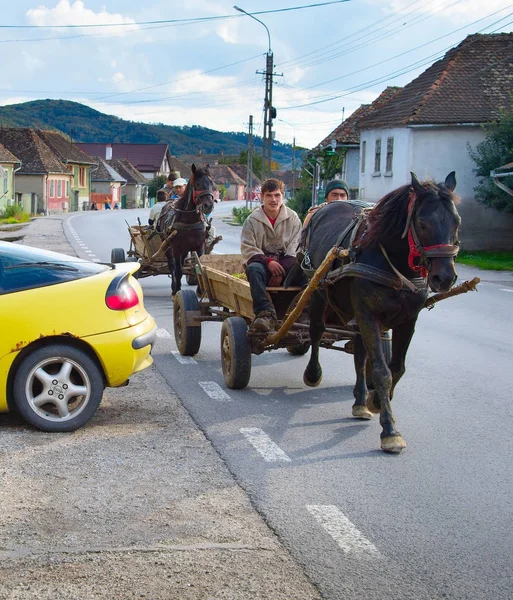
[
  {"x": 241, "y": 214},
  {"x": 493, "y": 261},
  {"x": 14, "y": 214}
]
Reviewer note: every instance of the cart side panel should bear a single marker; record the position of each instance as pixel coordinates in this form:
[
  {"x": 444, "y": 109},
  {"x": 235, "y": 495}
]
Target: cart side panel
[
  {"x": 226, "y": 263},
  {"x": 230, "y": 292}
]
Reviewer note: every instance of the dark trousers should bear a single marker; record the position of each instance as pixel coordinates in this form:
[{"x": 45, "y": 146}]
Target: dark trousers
[{"x": 258, "y": 275}]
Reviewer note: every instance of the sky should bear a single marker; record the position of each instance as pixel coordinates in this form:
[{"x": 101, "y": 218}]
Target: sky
[{"x": 200, "y": 62}]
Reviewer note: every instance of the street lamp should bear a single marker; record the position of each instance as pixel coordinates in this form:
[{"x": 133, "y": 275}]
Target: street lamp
[{"x": 269, "y": 112}]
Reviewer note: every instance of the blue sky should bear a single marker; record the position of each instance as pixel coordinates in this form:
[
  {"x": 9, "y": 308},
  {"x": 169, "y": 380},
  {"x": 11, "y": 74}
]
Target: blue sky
[{"x": 333, "y": 57}]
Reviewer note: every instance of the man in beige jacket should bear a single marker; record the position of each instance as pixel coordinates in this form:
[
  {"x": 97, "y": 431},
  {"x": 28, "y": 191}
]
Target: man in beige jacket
[{"x": 269, "y": 241}]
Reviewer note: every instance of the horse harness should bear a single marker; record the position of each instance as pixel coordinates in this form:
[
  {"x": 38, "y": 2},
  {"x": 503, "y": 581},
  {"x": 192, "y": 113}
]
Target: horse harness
[
  {"x": 397, "y": 280},
  {"x": 196, "y": 196}
]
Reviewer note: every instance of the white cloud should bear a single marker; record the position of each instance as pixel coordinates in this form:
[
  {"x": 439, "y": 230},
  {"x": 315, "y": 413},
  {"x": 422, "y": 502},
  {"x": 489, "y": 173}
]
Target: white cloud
[
  {"x": 31, "y": 62},
  {"x": 65, "y": 13}
]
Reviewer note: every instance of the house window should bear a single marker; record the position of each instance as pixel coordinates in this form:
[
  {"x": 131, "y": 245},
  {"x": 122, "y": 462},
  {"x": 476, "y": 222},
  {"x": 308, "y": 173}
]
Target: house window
[
  {"x": 364, "y": 150},
  {"x": 67, "y": 189},
  {"x": 5, "y": 181},
  {"x": 390, "y": 155},
  {"x": 377, "y": 157},
  {"x": 81, "y": 177},
  {"x": 52, "y": 188},
  {"x": 59, "y": 189}
]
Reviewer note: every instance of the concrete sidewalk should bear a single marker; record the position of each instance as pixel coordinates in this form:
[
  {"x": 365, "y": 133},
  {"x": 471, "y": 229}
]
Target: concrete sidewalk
[{"x": 137, "y": 504}]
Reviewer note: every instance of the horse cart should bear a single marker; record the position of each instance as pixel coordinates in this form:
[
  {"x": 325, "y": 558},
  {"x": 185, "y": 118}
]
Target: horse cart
[
  {"x": 226, "y": 297},
  {"x": 148, "y": 249}
]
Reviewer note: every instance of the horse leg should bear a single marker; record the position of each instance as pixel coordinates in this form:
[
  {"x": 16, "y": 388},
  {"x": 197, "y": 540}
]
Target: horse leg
[
  {"x": 370, "y": 330},
  {"x": 401, "y": 338},
  {"x": 171, "y": 266},
  {"x": 313, "y": 372},
  {"x": 177, "y": 275},
  {"x": 360, "y": 410}
]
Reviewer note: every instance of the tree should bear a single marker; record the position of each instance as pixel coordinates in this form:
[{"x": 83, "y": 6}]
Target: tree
[
  {"x": 156, "y": 184},
  {"x": 493, "y": 152},
  {"x": 301, "y": 202}
]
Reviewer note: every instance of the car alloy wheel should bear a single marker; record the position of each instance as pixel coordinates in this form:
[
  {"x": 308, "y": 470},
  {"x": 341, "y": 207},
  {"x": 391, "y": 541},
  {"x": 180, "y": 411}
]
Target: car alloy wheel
[{"x": 58, "y": 388}]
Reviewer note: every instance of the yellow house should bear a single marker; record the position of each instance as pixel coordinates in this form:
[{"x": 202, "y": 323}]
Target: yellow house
[{"x": 8, "y": 166}]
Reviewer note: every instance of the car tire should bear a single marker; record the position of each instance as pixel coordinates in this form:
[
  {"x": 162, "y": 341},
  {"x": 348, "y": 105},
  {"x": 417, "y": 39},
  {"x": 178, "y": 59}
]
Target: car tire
[
  {"x": 117, "y": 255},
  {"x": 58, "y": 388}
]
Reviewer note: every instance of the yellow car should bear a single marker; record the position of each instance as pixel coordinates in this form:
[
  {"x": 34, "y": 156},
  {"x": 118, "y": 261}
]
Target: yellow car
[{"x": 70, "y": 328}]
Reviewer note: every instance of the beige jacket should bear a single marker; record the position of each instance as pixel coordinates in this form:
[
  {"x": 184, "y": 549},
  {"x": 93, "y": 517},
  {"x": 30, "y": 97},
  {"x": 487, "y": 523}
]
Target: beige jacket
[{"x": 260, "y": 237}]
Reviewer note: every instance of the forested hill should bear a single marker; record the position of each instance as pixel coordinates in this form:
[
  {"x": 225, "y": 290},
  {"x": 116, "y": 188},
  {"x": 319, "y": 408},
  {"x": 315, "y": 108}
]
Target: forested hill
[{"x": 85, "y": 124}]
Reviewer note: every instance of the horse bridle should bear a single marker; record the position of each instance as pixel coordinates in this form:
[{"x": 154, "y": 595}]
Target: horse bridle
[
  {"x": 195, "y": 196},
  {"x": 417, "y": 250}
]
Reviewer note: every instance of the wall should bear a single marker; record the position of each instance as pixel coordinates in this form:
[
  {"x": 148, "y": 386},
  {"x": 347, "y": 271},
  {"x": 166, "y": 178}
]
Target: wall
[
  {"x": 83, "y": 191},
  {"x": 351, "y": 171},
  {"x": 445, "y": 149},
  {"x": 58, "y": 202},
  {"x": 374, "y": 186},
  {"x": 6, "y": 195},
  {"x": 32, "y": 184}
]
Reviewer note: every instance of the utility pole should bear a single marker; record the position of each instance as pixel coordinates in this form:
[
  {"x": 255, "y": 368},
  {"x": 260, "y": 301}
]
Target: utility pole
[
  {"x": 249, "y": 181},
  {"x": 294, "y": 164}
]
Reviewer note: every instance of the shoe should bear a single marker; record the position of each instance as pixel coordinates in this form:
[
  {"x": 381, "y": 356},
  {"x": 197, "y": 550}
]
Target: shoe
[{"x": 264, "y": 321}]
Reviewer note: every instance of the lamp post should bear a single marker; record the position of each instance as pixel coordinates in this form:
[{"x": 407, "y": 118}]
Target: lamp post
[
  {"x": 293, "y": 154},
  {"x": 269, "y": 112}
]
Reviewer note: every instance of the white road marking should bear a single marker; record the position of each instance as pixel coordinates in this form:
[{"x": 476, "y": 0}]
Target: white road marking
[
  {"x": 215, "y": 391},
  {"x": 164, "y": 333},
  {"x": 506, "y": 290},
  {"x": 184, "y": 360},
  {"x": 342, "y": 530},
  {"x": 262, "y": 443}
]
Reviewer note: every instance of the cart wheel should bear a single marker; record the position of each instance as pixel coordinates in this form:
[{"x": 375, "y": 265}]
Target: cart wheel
[
  {"x": 235, "y": 353},
  {"x": 386, "y": 344},
  {"x": 191, "y": 279},
  {"x": 187, "y": 337},
  {"x": 298, "y": 349},
  {"x": 117, "y": 255}
]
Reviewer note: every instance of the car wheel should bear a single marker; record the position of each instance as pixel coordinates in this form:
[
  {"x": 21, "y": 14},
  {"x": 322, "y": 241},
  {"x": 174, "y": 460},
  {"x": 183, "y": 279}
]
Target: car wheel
[
  {"x": 58, "y": 388},
  {"x": 117, "y": 255}
]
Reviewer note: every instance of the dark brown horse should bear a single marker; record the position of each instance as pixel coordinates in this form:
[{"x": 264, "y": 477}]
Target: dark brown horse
[
  {"x": 406, "y": 244},
  {"x": 185, "y": 220}
]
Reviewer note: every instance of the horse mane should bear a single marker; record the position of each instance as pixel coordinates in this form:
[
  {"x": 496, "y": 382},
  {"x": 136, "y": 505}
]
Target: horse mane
[{"x": 387, "y": 220}]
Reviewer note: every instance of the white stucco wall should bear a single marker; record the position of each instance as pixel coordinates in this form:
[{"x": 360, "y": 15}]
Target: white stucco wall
[
  {"x": 351, "y": 168},
  {"x": 374, "y": 186}
]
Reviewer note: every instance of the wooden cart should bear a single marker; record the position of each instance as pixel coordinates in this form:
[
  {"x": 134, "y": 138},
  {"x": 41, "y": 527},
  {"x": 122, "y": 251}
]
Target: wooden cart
[
  {"x": 148, "y": 248},
  {"x": 227, "y": 298}
]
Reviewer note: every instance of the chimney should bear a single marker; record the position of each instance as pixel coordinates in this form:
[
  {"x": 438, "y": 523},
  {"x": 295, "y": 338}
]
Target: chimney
[{"x": 108, "y": 152}]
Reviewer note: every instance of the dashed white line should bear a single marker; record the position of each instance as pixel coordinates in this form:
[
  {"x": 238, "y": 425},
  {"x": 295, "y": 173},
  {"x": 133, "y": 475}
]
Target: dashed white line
[
  {"x": 184, "y": 360},
  {"x": 263, "y": 444},
  {"x": 506, "y": 290},
  {"x": 347, "y": 536},
  {"x": 215, "y": 391}
]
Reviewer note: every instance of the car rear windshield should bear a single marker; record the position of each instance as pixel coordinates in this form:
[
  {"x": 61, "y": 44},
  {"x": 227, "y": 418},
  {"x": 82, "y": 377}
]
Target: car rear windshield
[{"x": 23, "y": 268}]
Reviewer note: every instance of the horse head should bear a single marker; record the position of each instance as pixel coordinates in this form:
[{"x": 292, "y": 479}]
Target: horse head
[
  {"x": 432, "y": 230},
  {"x": 202, "y": 192}
]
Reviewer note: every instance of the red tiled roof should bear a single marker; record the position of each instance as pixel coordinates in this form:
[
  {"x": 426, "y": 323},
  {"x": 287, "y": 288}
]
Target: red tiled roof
[
  {"x": 65, "y": 149},
  {"x": 6, "y": 156},
  {"x": 242, "y": 172},
  {"x": 144, "y": 157},
  {"x": 222, "y": 174},
  {"x": 104, "y": 172},
  {"x": 35, "y": 156},
  {"x": 127, "y": 170},
  {"x": 348, "y": 131},
  {"x": 468, "y": 85}
]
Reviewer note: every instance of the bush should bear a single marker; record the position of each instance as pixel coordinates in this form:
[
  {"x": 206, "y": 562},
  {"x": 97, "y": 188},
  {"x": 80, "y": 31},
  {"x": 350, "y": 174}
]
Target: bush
[
  {"x": 241, "y": 214},
  {"x": 14, "y": 214},
  {"x": 301, "y": 202},
  {"x": 156, "y": 184}
]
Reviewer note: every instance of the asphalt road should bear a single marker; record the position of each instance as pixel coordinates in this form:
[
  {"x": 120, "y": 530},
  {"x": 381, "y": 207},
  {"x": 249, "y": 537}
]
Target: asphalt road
[{"x": 433, "y": 522}]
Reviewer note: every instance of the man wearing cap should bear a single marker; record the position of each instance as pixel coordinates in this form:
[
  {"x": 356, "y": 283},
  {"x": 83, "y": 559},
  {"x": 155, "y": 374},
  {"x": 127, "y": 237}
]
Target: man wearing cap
[
  {"x": 179, "y": 186},
  {"x": 269, "y": 240},
  {"x": 335, "y": 190},
  {"x": 168, "y": 186}
]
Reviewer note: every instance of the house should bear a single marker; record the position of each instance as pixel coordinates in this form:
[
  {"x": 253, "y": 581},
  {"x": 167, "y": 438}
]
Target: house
[
  {"x": 9, "y": 164},
  {"x": 78, "y": 162},
  {"x": 224, "y": 176},
  {"x": 135, "y": 192},
  {"x": 345, "y": 139},
  {"x": 291, "y": 179},
  {"x": 106, "y": 184},
  {"x": 243, "y": 173},
  {"x": 43, "y": 181},
  {"x": 429, "y": 124},
  {"x": 208, "y": 159},
  {"x": 149, "y": 159}
]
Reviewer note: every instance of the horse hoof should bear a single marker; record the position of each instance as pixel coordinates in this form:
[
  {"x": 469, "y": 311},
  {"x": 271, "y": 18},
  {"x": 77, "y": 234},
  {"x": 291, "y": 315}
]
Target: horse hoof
[
  {"x": 309, "y": 383},
  {"x": 393, "y": 444},
  {"x": 371, "y": 403},
  {"x": 361, "y": 412}
]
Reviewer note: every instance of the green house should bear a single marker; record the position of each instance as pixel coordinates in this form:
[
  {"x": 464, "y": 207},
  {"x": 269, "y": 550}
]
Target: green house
[{"x": 8, "y": 166}]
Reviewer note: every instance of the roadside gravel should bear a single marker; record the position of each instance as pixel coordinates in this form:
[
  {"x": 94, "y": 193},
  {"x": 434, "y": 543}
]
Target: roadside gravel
[{"x": 135, "y": 505}]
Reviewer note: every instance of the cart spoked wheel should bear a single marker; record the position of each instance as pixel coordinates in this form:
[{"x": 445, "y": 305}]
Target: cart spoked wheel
[
  {"x": 117, "y": 255},
  {"x": 298, "y": 349},
  {"x": 386, "y": 344},
  {"x": 235, "y": 353},
  {"x": 187, "y": 337}
]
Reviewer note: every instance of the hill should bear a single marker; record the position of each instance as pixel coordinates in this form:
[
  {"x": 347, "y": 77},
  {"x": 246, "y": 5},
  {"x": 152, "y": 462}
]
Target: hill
[{"x": 84, "y": 124}]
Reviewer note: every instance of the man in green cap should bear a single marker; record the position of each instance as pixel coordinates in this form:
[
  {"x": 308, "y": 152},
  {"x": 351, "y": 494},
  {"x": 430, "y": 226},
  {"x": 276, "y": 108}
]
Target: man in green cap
[{"x": 336, "y": 190}]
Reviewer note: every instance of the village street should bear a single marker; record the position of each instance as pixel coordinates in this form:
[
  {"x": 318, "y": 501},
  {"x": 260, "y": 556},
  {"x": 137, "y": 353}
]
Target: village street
[{"x": 434, "y": 522}]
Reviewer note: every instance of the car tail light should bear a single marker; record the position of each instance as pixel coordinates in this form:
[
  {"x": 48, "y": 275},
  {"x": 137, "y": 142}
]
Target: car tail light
[{"x": 120, "y": 294}]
